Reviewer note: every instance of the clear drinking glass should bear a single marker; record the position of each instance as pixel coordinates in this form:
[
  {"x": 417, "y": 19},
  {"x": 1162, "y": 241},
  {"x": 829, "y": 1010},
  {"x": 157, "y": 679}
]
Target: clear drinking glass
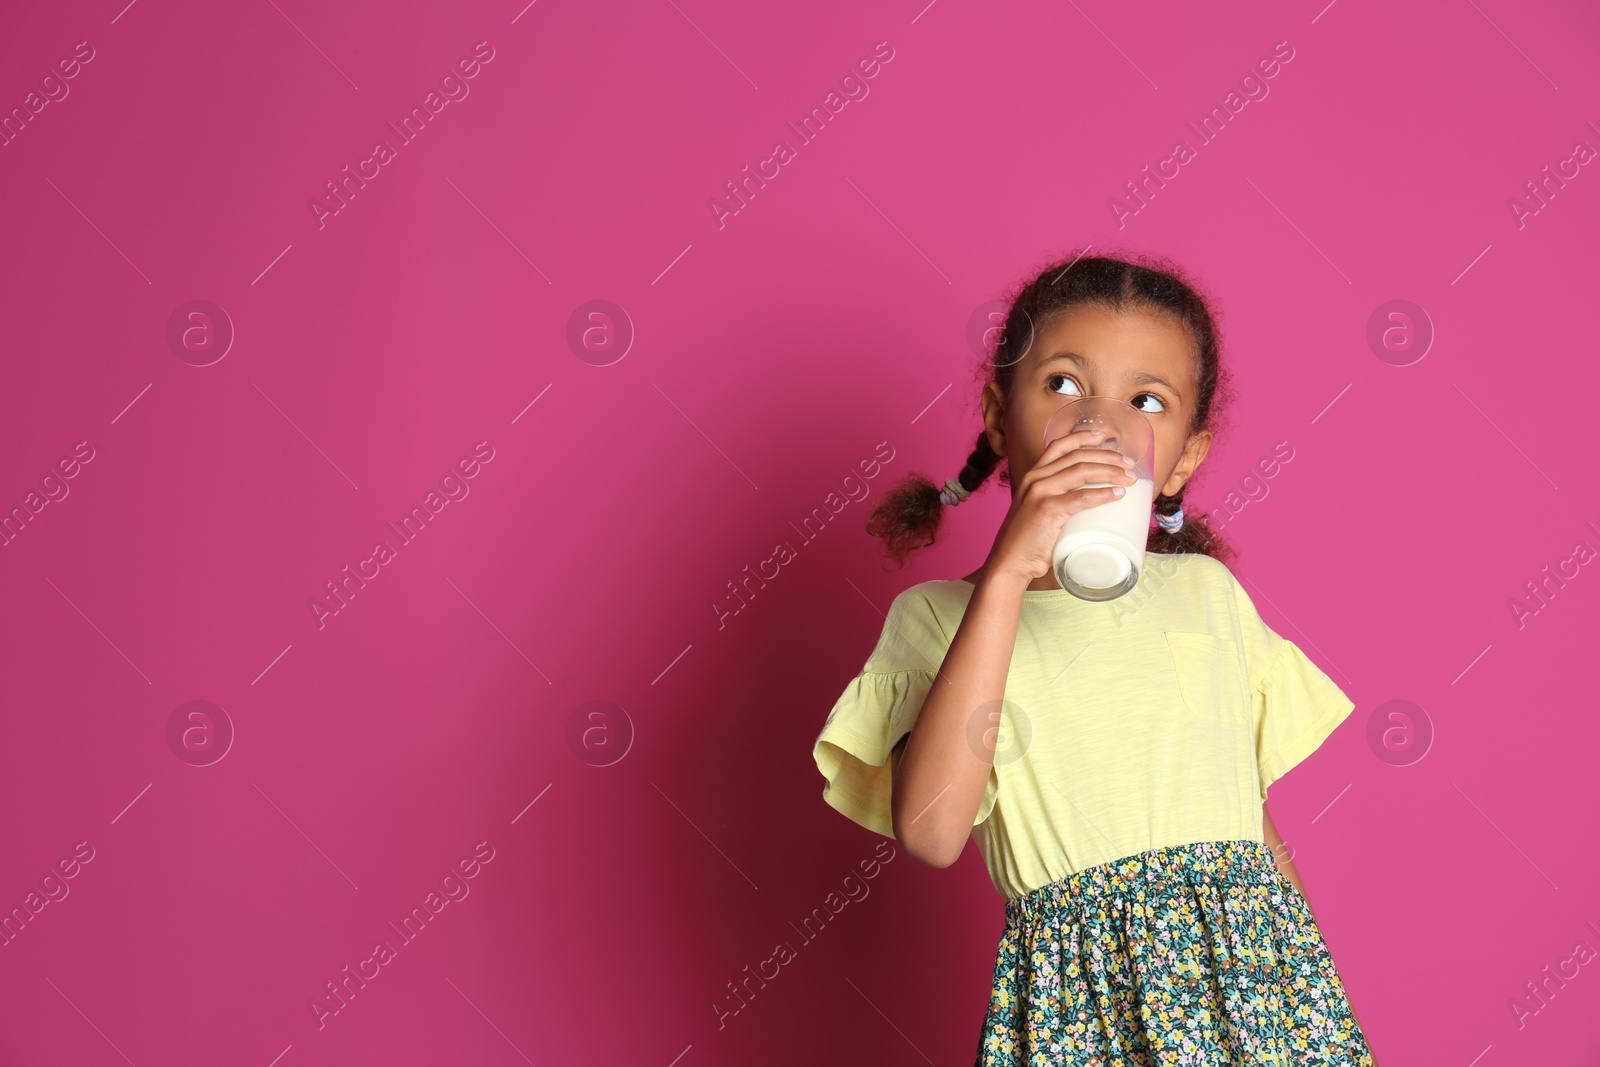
[{"x": 1100, "y": 550}]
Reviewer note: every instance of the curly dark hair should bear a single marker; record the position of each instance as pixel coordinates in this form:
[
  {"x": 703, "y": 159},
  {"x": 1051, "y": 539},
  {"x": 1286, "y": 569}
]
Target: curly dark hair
[{"x": 907, "y": 517}]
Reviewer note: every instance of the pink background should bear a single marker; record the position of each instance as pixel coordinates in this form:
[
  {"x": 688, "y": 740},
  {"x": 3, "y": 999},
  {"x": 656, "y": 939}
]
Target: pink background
[{"x": 444, "y": 704}]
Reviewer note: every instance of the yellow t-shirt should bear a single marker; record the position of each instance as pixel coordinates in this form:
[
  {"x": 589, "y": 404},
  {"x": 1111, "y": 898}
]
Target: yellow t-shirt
[{"x": 1156, "y": 719}]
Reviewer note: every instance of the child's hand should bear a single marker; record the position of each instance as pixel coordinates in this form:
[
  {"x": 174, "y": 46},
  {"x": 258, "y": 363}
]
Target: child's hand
[{"x": 1051, "y": 492}]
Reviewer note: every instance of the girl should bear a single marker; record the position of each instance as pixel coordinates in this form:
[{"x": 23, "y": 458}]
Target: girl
[{"x": 1111, "y": 759}]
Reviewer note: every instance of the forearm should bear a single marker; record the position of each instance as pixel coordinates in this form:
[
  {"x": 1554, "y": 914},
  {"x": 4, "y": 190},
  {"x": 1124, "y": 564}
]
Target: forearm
[
  {"x": 940, "y": 778},
  {"x": 1280, "y": 855}
]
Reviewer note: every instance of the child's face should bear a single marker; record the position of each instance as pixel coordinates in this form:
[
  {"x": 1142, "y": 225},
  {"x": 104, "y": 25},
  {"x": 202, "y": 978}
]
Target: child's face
[{"x": 1090, "y": 351}]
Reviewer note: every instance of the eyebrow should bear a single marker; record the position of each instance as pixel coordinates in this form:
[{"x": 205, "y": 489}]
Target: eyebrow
[{"x": 1141, "y": 378}]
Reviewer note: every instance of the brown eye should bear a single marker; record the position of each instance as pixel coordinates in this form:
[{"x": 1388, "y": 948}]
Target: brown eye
[
  {"x": 1161, "y": 405},
  {"x": 1050, "y": 383}
]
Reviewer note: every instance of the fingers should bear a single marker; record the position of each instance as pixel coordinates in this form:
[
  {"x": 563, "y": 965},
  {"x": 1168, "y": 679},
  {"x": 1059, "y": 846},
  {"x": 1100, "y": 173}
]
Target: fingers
[
  {"x": 1080, "y": 498},
  {"x": 1099, "y": 464},
  {"x": 1086, "y": 437},
  {"x": 1082, "y": 474},
  {"x": 1074, "y": 478},
  {"x": 1077, "y": 446}
]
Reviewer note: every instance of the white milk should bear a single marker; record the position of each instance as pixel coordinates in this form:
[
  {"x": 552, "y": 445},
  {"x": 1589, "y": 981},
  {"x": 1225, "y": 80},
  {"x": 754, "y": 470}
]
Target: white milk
[{"x": 1113, "y": 535}]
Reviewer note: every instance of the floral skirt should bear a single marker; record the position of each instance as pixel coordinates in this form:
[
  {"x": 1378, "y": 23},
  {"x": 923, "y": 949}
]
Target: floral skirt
[{"x": 1201, "y": 954}]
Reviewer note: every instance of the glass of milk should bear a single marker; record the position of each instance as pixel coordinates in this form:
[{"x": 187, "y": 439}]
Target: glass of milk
[{"x": 1100, "y": 550}]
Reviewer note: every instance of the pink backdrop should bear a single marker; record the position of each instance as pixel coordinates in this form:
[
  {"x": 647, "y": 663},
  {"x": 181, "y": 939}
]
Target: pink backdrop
[{"x": 187, "y": 481}]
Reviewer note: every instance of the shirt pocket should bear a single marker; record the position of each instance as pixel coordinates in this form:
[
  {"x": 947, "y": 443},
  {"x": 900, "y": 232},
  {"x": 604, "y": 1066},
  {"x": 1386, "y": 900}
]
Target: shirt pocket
[{"x": 1209, "y": 678}]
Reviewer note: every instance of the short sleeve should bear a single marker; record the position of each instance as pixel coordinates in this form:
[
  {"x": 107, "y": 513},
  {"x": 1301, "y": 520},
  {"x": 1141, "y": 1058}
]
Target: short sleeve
[
  {"x": 877, "y": 708},
  {"x": 1296, "y": 706}
]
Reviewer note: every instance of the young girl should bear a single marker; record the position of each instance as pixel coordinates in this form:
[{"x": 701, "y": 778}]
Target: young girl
[{"x": 1111, "y": 759}]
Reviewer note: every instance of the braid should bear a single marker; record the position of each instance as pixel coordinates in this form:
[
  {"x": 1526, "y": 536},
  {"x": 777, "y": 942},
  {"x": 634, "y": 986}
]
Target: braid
[
  {"x": 981, "y": 462},
  {"x": 908, "y": 516},
  {"x": 1195, "y": 535}
]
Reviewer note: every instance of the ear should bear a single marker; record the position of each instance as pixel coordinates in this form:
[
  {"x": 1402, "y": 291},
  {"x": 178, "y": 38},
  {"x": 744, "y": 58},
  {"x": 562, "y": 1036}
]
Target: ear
[
  {"x": 994, "y": 418},
  {"x": 1194, "y": 453}
]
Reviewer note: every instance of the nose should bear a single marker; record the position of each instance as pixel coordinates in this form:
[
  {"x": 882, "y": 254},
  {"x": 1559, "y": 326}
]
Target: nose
[{"x": 1098, "y": 422}]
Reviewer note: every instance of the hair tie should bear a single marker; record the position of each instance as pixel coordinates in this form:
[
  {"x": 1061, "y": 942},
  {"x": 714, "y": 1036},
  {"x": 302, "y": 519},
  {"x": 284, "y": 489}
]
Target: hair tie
[
  {"x": 953, "y": 493},
  {"x": 1170, "y": 523}
]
